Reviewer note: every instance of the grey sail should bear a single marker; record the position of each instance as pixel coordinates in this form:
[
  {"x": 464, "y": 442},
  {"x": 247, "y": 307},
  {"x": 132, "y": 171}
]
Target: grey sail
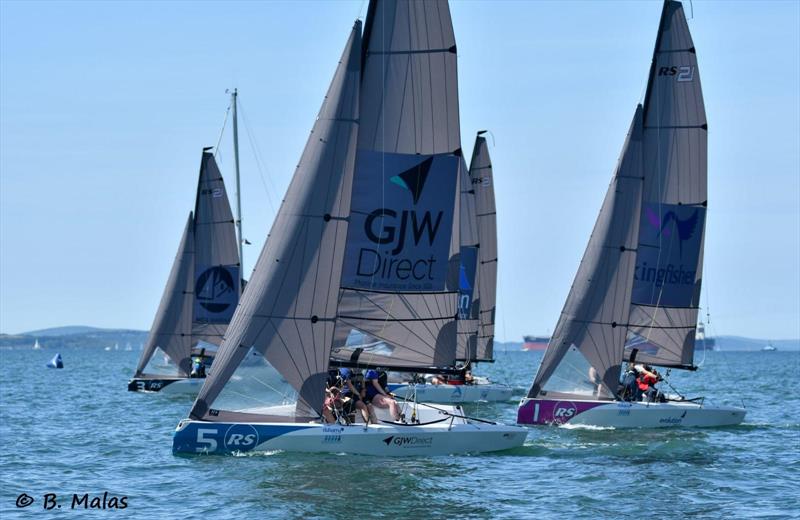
[
  {"x": 400, "y": 275},
  {"x": 666, "y": 290},
  {"x": 469, "y": 290},
  {"x": 204, "y": 285},
  {"x": 482, "y": 182},
  {"x": 585, "y": 352},
  {"x": 172, "y": 325},
  {"x": 288, "y": 312},
  {"x": 217, "y": 277}
]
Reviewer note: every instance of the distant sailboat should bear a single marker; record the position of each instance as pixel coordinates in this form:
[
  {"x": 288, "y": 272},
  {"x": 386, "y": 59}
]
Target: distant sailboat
[
  {"x": 128, "y": 347},
  {"x": 372, "y": 157},
  {"x": 769, "y": 347},
  {"x": 635, "y": 297},
  {"x": 202, "y": 291},
  {"x": 36, "y": 345},
  {"x": 56, "y": 362}
]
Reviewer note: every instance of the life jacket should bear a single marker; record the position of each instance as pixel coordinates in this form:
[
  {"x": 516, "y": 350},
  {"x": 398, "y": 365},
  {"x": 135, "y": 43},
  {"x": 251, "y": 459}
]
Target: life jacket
[{"x": 645, "y": 381}]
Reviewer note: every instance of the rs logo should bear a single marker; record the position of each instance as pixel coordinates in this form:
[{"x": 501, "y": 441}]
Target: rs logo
[
  {"x": 684, "y": 72},
  {"x": 563, "y": 411},
  {"x": 241, "y": 437}
]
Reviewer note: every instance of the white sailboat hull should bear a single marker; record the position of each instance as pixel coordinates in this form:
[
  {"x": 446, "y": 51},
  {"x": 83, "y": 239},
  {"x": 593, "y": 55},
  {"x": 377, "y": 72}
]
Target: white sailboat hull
[
  {"x": 438, "y": 434},
  {"x": 382, "y": 439},
  {"x": 453, "y": 394},
  {"x": 617, "y": 414}
]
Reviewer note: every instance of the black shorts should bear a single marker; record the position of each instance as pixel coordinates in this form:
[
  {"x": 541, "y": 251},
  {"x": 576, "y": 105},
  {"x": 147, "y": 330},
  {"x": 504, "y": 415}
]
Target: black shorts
[{"x": 351, "y": 404}]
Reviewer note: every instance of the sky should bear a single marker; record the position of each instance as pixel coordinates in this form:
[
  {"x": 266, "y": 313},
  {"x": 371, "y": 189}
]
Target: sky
[{"x": 105, "y": 107}]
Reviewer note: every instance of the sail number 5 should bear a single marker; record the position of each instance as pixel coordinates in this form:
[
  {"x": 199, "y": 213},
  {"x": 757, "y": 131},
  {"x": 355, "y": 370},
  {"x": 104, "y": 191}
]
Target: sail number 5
[{"x": 210, "y": 445}]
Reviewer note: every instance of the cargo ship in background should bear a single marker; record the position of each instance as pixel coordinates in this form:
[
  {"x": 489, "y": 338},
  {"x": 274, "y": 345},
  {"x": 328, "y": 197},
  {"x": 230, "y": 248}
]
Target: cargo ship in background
[
  {"x": 701, "y": 342},
  {"x": 535, "y": 342}
]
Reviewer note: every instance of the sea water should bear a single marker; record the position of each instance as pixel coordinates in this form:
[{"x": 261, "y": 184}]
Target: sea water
[{"x": 66, "y": 434}]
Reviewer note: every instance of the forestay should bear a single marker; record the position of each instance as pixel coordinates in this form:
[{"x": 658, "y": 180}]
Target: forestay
[
  {"x": 279, "y": 341},
  {"x": 400, "y": 275},
  {"x": 204, "y": 284}
]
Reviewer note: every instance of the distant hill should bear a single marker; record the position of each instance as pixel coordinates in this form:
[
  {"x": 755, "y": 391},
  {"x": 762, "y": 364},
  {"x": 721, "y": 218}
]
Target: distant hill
[
  {"x": 724, "y": 343},
  {"x": 740, "y": 343},
  {"x": 61, "y": 331},
  {"x": 75, "y": 336}
]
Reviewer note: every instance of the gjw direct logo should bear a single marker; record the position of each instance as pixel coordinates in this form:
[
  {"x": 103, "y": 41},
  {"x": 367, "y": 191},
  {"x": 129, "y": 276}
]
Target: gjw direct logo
[
  {"x": 398, "y": 229},
  {"x": 408, "y": 441},
  {"x": 215, "y": 283}
]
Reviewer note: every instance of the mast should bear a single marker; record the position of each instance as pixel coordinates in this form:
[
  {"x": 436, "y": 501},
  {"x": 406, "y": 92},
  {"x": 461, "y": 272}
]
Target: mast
[{"x": 238, "y": 184}]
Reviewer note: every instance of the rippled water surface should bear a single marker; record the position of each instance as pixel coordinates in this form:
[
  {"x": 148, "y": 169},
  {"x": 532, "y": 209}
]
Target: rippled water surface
[{"x": 78, "y": 430}]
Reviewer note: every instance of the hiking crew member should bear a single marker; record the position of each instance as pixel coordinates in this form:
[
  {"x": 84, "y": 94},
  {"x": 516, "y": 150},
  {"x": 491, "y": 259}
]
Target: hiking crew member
[{"x": 376, "y": 394}]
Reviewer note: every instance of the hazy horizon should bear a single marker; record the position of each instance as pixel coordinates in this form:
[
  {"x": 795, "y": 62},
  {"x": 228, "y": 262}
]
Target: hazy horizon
[{"x": 104, "y": 109}]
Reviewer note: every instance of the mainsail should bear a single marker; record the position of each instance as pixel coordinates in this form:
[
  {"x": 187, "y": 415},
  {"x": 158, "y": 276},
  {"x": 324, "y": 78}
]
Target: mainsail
[
  {"x": 288, "y": 313},
  {"x": 482, "y": 182},
  {"x": 400, "y": 276},
  {"x": 204, "y": 284},
  {"x": 469, "y": 290},
  {"x": 639, "y": 280},
  {"x": 669, "y": 265}
]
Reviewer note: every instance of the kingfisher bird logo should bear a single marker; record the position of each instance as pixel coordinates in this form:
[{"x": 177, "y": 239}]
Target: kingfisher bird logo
[
  {"x": 414, "y": 178},
  {"x": 685, "y": 228},
  {"x": 214, "y": 284}
]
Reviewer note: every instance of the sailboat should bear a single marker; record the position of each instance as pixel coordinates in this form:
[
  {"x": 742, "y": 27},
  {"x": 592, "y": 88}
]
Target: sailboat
[
  {"x": 366, "y": 239},
  {"x": 202, "y": 291},
  {"x": 36, "y": 345},
  {"x": 477, "y": 291},
  {"x": 635, "y": 297}
]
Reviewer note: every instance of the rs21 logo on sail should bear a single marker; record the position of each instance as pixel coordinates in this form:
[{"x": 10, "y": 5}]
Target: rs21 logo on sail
[{"x": 683, "y": 72}]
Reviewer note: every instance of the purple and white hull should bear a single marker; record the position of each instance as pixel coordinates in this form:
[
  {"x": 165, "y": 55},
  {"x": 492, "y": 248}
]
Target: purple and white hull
[{"x": 620, "y": 414}]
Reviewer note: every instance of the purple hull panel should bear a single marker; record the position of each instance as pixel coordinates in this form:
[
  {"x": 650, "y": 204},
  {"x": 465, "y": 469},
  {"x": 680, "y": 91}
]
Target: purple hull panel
[{"x": 546, "y": 411}]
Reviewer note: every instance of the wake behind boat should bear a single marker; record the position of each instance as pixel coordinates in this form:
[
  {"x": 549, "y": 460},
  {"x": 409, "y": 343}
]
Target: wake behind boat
[
  {"x": 636, "y": 294},
  {"x": 200, "y": 296},
  {"x": 335, "y": 262}
]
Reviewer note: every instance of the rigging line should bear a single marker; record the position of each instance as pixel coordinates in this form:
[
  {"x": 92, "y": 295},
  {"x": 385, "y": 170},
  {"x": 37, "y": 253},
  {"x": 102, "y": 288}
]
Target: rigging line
[
  {"x": 222, "y": 130},
  {"x": 258, "y": 159}
]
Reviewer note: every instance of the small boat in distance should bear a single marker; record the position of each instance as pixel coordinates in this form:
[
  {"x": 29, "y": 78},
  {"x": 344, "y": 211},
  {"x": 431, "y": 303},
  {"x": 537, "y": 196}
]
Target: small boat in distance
[
  {"x": 635, "y": 297},
  {"x": 769, "y": 347},
  {"x": 36, "y": 345},
  {"x": 56, "y": 362},
  {"x": 535, "y": 342}
]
